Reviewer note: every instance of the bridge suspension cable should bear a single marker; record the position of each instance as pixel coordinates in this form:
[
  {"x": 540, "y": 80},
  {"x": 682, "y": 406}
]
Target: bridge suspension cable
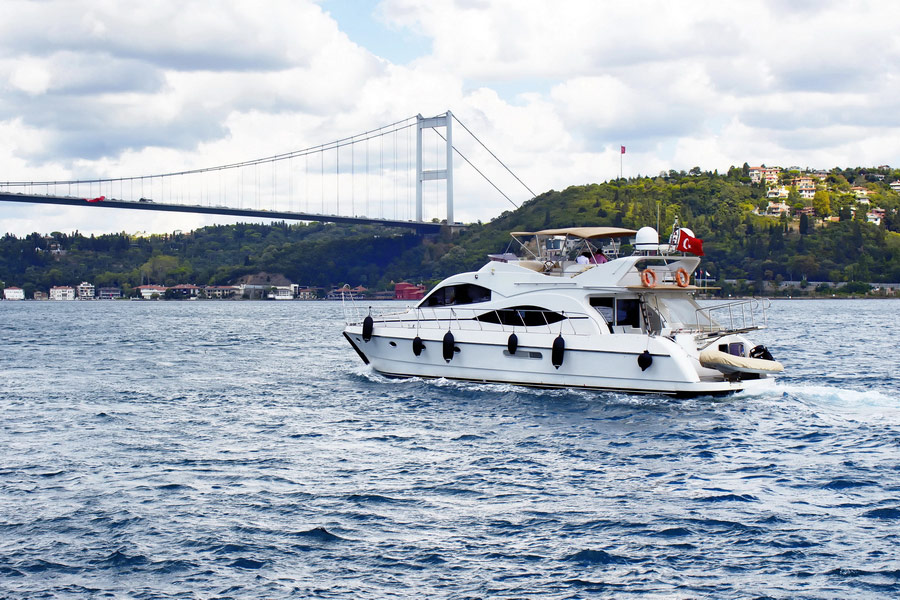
[{"x": 279, "y": 183}]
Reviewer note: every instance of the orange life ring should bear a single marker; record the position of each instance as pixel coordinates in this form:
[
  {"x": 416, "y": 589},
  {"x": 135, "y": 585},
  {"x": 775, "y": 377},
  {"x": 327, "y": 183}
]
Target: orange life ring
[
  {"x": 648, "y": 278},
  {"x": 682, "y": 278}
]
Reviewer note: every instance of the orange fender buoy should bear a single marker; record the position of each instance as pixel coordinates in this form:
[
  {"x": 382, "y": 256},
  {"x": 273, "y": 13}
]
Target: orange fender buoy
[{"x": 682, "y": 278}]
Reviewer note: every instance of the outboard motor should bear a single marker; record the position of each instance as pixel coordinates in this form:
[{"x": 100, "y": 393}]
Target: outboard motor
[{"x": 761, "y": 352}]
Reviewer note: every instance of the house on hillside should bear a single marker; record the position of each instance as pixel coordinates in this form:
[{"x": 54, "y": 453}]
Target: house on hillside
[
  {"x": 776, "y": 209},
  {"x": 767, "y": 174},
  {"x": 876, "y": 215},
  {"x": 860, "y": 192},
  {"x": 14, "y": 293},
  {"x": 805, "y": 186}
]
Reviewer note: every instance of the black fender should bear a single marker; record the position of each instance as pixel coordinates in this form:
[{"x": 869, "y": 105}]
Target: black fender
[
  {"x": 512, "y": 344},
  {"x": 448, "y": 346},
  {"x": 368, "y": 328},
  {"x": 558, "y": 351}
]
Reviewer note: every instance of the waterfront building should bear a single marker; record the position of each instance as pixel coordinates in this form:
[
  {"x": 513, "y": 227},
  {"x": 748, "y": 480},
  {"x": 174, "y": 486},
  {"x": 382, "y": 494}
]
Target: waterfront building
[
  {"x": 185, "y": 290},
  {"x": 62, "y": 292},
  {"x": 109, "y": 293},
  {"x": 85, "y": 291},
  {"x": 408, "y": 291},
  {"x": 147, "y": 291},
  {"x": 14, "y": 293},
  {"x": 220, "y": 291},
  {"x": 281, "y": 292},
  {"x": 306, "y": 294},
  {"x": 39, "y": 295}
]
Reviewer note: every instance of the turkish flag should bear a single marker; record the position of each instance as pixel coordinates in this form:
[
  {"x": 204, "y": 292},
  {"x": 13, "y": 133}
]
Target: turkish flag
[
  {"x": 97, "y": 199},
  {"x": 690, "y": 244},
  {"x": 623, "y": 150}
]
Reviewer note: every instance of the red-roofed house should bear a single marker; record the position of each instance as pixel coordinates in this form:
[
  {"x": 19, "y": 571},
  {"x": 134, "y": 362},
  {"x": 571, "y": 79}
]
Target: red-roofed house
[
  {"x": 147, "y": 291},
  {"x": 408, "y": 291}
]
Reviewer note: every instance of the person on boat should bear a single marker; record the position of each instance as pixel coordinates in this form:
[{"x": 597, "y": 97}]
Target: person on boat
[
  {"x": 599, "y": 258},
  {"x": 583, "y": 259}
]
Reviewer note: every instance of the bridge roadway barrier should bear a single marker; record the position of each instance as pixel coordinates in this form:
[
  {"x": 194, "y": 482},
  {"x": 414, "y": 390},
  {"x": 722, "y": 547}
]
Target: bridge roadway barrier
[{"x": 423, "y": 227}]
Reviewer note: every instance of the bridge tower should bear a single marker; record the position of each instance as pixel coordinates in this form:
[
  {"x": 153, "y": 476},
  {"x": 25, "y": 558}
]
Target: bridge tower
[{"x": 444, "y": 120}]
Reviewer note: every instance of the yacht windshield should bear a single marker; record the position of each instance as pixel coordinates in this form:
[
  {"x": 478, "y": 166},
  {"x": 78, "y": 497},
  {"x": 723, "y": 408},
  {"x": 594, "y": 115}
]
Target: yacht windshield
[
  {"x": 453, "y": 295},
  {"x": 683, "y": 313}
]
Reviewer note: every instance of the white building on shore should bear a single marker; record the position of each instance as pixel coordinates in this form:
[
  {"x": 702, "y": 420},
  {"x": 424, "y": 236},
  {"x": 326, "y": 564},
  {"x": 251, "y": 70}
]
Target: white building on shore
[
  {"x": 14, "y": 293},
  {"x": 85, "y": 291},
  {"x": 62, "y": 292}
]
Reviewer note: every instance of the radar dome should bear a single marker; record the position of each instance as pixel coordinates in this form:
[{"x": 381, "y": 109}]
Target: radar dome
[{"x": 646, "y": 239}]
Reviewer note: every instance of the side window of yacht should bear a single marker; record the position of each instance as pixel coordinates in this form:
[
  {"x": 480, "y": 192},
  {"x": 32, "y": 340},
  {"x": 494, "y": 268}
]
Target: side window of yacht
[
  {"x": 618, "y": 311},
  {"x": 606, "y": 308},
  {"x": 452, "y": 295},
  {"x": 628, "y": 312},
  {"x": 521, "y": 316}
]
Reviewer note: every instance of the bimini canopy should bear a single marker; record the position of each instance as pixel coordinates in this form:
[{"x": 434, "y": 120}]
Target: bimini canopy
[{"x": 586, "y": 233}]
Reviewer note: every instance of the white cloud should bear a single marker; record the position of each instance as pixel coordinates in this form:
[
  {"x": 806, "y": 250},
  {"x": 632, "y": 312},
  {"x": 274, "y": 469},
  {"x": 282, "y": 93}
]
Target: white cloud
[{"x": 89, "y": 89}]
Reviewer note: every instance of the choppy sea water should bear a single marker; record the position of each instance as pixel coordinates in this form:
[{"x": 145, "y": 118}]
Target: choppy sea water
[{"x": 241, "y": 450}]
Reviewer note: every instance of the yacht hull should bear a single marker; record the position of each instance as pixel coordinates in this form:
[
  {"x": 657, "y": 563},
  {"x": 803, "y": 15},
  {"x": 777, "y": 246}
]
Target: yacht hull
[{"x": 608, "y": 363}]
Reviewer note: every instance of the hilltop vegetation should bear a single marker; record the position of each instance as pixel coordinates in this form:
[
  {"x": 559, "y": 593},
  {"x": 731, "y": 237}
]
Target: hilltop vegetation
[{"x": 739, "y": 243}]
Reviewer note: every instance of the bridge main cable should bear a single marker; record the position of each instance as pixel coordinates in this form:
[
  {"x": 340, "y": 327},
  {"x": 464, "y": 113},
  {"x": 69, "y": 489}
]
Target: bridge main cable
[{"x": 340, "y": 143}]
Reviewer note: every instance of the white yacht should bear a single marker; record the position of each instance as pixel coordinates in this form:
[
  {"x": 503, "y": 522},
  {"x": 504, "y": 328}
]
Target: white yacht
[{"x": 573, "y": 313}]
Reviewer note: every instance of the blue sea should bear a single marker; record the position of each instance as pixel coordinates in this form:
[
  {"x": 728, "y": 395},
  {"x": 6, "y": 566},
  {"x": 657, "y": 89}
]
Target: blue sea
[{"x": 242, "y": 450}]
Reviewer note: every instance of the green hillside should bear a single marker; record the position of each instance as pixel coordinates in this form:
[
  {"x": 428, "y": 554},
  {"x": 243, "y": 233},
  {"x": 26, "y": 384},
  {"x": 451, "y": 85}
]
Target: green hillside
[{"x": 739, "y": 243}]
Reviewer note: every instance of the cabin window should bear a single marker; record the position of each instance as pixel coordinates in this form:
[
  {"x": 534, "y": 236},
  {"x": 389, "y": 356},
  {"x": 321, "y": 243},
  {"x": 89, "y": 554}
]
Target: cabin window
[
  {"x": 462, "y": 293},
  {"x": 619, "y": 311},
  {"x": 521, "y": 316}
]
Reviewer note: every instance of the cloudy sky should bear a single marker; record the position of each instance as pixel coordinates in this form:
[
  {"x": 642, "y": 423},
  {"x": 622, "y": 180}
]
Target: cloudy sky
[{"x": 105, "y": 88}]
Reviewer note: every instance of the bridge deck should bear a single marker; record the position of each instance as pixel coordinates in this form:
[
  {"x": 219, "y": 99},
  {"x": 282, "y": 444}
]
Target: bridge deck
[{"x": 217, "y": 210}]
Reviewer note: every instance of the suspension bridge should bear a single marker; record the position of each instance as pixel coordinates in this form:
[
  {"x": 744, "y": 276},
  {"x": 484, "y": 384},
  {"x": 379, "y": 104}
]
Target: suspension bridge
[{"x": 393, "y": 175}]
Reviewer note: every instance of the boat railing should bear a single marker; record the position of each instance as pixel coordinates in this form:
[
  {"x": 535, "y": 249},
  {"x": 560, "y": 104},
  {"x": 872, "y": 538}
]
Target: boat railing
[
  {"x": 739, "y": 315},
  {"x": 473, "y": 319}
]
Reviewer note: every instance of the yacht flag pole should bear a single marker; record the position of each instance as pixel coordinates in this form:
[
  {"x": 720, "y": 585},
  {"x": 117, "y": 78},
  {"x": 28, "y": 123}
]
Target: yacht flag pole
[{"x": 621, "y": 153}]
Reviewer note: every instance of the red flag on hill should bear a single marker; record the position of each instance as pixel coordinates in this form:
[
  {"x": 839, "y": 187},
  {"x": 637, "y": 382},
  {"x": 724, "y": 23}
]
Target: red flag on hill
[{"x": 688, "y": 243}]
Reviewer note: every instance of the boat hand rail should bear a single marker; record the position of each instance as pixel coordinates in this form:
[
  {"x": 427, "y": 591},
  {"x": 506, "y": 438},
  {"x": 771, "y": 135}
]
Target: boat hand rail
[
  {"x": 462, "y": 318},
  {"x": 738, "y": 315}
]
